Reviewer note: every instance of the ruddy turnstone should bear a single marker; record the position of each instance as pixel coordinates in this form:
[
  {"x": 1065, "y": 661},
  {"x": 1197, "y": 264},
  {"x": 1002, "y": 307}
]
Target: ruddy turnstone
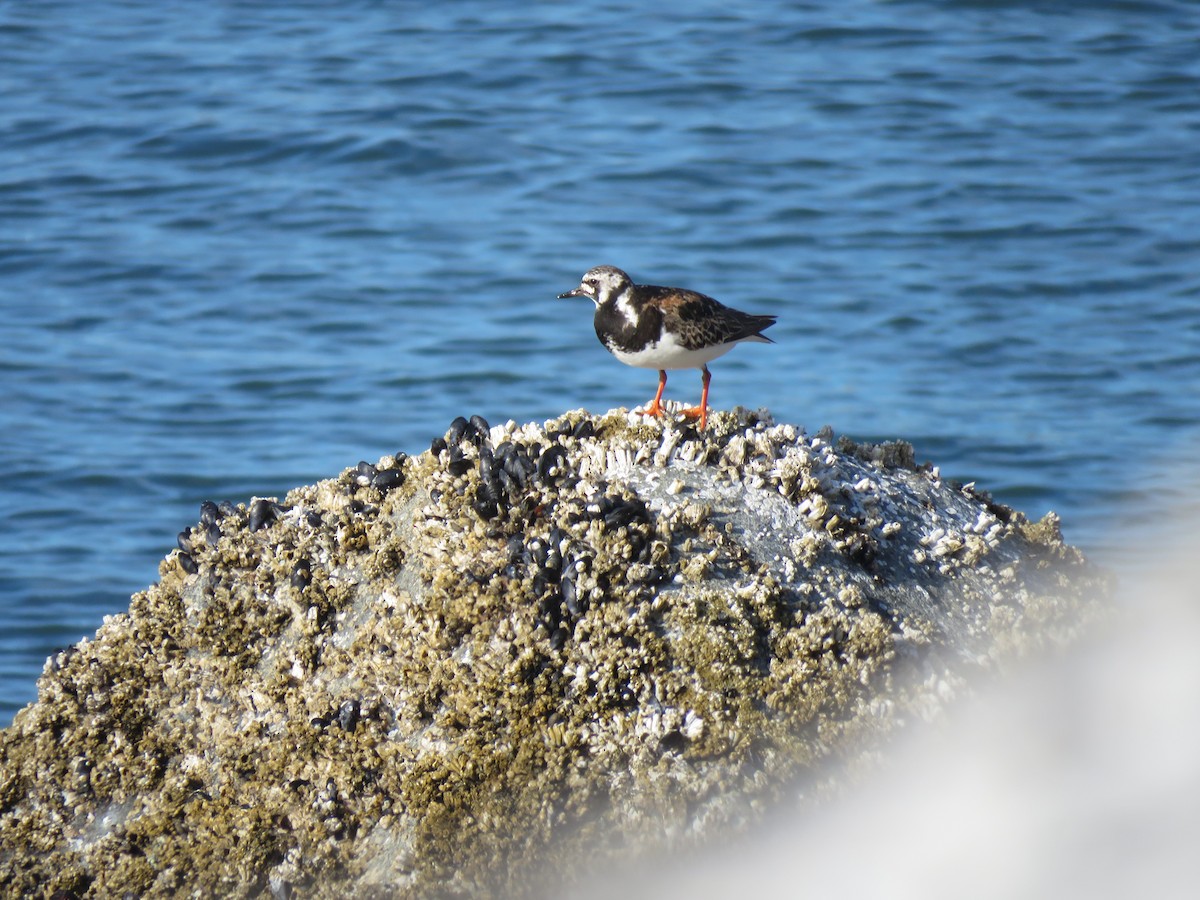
[{"x": 665, "y": 328}]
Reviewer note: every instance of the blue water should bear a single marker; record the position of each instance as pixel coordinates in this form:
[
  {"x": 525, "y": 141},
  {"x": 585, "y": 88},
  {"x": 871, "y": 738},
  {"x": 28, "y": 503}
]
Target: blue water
[{"x": 245, "y": 245}]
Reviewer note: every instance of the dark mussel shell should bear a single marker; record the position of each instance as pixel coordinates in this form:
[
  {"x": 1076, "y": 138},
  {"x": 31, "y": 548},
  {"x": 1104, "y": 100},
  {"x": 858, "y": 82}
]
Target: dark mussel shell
[
  {"x": 262, "y": 513},
  {"x": 388, "y": 479}
]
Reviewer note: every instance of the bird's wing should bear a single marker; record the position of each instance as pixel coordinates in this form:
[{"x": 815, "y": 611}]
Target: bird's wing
[{"x": 701, "y": 321}]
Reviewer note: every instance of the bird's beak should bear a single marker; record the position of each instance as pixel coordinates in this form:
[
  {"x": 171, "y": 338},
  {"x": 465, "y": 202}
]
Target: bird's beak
[{"x": 578, "y": 292}]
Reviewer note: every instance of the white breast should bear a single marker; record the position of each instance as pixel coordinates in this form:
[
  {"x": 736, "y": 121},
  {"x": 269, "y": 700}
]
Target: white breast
[{"x": 668, "y": 353}]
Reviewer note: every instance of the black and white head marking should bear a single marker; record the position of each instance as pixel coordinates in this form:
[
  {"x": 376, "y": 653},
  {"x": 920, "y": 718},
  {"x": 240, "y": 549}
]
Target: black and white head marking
[{"x": 601, "y": 284}]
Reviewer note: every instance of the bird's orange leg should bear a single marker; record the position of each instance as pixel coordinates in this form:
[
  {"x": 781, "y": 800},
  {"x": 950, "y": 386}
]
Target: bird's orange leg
[
  {"x": 655, "y": 408},
  {"x": 702, "y": 410}
]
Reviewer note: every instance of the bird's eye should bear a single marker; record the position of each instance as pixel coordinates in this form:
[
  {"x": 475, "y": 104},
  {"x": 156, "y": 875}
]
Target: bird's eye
[{"x": 590, "y": 281}]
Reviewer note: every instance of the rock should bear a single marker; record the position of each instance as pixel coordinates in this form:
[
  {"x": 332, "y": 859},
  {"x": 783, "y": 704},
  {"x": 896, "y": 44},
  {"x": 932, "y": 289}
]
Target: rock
[{"x": 522, "y": 653}]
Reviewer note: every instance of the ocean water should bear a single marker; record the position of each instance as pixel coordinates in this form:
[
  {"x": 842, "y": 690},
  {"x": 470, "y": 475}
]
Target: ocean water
[{"x": 243, "y": 246}]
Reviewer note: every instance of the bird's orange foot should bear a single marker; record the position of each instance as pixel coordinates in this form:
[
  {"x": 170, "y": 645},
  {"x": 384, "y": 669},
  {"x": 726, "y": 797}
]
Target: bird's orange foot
[
  {"x": 696, "y": 412},
  {"x": 654, "y": 409}
]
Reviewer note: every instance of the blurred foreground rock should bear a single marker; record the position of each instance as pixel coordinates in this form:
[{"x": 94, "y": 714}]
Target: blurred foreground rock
[{"x": 499, "y": 665}]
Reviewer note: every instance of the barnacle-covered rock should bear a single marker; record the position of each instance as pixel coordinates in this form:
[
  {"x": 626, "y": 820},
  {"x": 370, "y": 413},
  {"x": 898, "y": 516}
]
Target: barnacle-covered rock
[{"x": 519, "y": 653}]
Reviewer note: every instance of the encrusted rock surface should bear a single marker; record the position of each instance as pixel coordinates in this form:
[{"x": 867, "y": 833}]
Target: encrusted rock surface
[{"x": 487, "y": 668}]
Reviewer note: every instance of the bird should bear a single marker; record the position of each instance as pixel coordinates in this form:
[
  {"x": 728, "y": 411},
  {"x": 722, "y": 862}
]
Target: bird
[{"x": 665, "y": 328}]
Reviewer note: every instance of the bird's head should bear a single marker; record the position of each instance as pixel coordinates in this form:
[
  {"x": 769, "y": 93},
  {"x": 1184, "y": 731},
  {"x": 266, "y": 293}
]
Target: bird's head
[{"x": 600, "y": 283}]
